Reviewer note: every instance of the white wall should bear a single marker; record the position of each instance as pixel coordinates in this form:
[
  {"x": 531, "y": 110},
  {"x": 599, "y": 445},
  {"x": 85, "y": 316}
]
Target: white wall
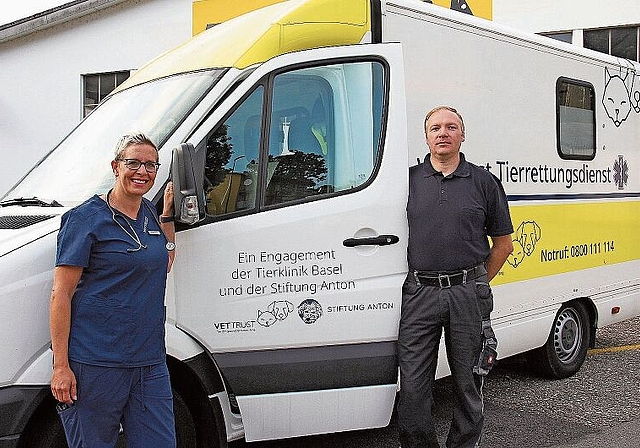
[
  {"x": 40, "y": 74},
  {"x": 565, "y": 15}
]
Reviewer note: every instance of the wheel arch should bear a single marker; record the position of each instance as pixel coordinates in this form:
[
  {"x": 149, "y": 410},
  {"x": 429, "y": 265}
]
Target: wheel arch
[
  {"x": 40, "y": 414},
  {"x": 592, "y": 311},
  {"x": 196, "y": 377},
  {"x": 194, "y": 388}
]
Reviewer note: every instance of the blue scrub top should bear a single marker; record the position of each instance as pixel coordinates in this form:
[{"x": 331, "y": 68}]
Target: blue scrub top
[{"x": 117, "y": 311}]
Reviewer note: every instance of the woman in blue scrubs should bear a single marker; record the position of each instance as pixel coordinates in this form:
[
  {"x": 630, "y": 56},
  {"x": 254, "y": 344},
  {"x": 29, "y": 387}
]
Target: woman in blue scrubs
[{"x": 107, "y": 310}]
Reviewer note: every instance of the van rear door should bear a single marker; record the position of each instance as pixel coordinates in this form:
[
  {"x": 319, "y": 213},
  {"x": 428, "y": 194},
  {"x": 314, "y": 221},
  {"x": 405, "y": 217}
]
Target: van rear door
[{"x": 293, "y": 281}]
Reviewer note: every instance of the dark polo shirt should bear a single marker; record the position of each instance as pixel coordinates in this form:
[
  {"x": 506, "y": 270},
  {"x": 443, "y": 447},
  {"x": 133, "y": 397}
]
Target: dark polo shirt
[{"x": 450, "y": 217}]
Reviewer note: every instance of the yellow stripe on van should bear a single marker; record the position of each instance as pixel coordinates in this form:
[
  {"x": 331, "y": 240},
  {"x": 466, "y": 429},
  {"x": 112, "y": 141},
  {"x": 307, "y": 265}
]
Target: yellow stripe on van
[
  {"x": 262, "y": 34},
  {"x": 559, "y": 238}
]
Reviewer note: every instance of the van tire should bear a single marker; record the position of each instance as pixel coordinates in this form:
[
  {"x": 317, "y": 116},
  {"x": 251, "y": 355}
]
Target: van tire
[
  {"x": 45, "y": 429},
  {"x": 566, "y": 348},
  {"x": 185, "y": 427}
]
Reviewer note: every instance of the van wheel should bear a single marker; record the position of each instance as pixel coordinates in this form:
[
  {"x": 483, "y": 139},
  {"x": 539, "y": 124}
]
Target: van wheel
[
  {"x": 566, "y": 347},
  {"x": 45, "y": 429}
]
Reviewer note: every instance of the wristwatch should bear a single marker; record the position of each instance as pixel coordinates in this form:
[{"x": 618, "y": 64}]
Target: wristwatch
[
  {"x": 165, "y": 219},
  {"x": 170, "y": 246}
]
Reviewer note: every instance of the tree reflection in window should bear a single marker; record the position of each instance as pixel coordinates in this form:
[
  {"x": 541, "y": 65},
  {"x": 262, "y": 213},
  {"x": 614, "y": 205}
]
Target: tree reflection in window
[
  {"x": 296, "y": 176},
  {"x": 324, "y": 129},
  {"x": 231, "y": 170}
]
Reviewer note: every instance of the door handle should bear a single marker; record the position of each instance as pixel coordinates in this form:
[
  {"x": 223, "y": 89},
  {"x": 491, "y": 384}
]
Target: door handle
[{"x": 381, "y": 240}]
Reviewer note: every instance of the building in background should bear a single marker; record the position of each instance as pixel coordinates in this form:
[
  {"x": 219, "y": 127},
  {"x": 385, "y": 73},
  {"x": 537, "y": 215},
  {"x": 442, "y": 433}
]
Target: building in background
[
  {"x": 611, "y": 26},
  {"x": 58, "y": 64}
]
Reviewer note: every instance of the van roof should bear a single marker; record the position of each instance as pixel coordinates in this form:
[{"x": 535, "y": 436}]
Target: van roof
[{"x": 262, "y": 34}]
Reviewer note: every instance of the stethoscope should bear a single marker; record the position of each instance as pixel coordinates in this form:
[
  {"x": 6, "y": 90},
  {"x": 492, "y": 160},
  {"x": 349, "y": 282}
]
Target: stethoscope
[{"x": 131, "y": 232}]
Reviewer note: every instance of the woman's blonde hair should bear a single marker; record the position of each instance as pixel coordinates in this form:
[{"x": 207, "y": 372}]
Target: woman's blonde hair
[{"x": 136, "y": 138}]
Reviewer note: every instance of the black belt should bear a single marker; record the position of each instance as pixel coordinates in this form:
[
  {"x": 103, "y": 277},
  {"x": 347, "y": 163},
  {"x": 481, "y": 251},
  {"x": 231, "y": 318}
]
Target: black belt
[{"x": 449, "y": 279}]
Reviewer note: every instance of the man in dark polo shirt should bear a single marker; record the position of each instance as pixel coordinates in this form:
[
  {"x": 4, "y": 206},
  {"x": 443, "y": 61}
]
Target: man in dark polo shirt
[{"x": 453, "y": 207}]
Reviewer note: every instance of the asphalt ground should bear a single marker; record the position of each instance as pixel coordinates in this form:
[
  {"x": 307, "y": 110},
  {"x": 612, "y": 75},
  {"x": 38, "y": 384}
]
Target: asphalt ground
[{"x": 596, "y": 408}]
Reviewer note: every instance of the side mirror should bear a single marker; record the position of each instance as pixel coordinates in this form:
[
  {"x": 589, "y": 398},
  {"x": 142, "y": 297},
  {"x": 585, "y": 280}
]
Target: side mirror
[{"x": 187, "y": 175}]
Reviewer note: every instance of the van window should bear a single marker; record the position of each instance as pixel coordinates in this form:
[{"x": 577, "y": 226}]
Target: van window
[
  {"x": 319, "y": 135},
  {"x": 232, "y": 160},
  {"x": 324, "y": 130},
  {"x": 575, "y": 119}
]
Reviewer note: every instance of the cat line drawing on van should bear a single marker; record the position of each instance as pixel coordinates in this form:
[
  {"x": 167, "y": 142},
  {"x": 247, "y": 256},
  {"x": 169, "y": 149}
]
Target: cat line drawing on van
[{"x": 621, "y": 94}]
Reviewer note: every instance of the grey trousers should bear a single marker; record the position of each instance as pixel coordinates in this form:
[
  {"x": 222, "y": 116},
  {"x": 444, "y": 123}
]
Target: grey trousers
[{"x": 426, "y": 311}]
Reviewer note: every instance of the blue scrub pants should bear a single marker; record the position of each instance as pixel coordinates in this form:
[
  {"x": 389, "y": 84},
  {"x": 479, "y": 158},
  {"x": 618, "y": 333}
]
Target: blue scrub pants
[
  {"x": 139, "y": 397},
  {"x": 426, "y": 311}
]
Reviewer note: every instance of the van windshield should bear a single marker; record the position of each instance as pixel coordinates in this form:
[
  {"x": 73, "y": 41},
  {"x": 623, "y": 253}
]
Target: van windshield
[{"x": 80, "y": 166}]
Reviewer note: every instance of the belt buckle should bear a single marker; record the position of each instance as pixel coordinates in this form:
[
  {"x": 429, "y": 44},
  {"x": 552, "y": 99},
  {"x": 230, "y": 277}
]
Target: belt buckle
[
  {"x": 448, "y": 282},
  {"x": 416, "y": 278}
]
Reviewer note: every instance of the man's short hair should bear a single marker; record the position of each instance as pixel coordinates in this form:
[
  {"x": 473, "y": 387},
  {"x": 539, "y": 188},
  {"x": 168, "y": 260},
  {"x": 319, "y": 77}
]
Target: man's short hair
[{"x": 436, "y": 109}]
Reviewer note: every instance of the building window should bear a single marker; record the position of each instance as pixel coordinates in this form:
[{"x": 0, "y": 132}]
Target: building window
[
  {"x": 624, "y": 43},
  {"x": 621, "y": 42},
  {"x": 97, "y": 86},
  {"x": 564, "y": 36},
  {"x": 575, "y": 119}
]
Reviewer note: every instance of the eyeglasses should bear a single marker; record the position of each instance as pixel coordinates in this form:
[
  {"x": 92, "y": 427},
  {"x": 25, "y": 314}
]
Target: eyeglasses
[{"x": 134, "y": 164}]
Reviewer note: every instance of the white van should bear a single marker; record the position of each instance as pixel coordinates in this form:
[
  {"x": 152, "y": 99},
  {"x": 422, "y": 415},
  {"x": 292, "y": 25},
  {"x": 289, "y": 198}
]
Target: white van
[{"x": 293, "y": 128}]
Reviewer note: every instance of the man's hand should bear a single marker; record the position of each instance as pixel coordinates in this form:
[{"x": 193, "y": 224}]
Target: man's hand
[{"x": 500, "y": 250}]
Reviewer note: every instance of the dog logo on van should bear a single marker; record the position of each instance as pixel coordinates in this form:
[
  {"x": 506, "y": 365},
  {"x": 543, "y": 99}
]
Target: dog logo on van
[
  {"x": 276, "y": 311},
  {"x": 527, "y": 236}
]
